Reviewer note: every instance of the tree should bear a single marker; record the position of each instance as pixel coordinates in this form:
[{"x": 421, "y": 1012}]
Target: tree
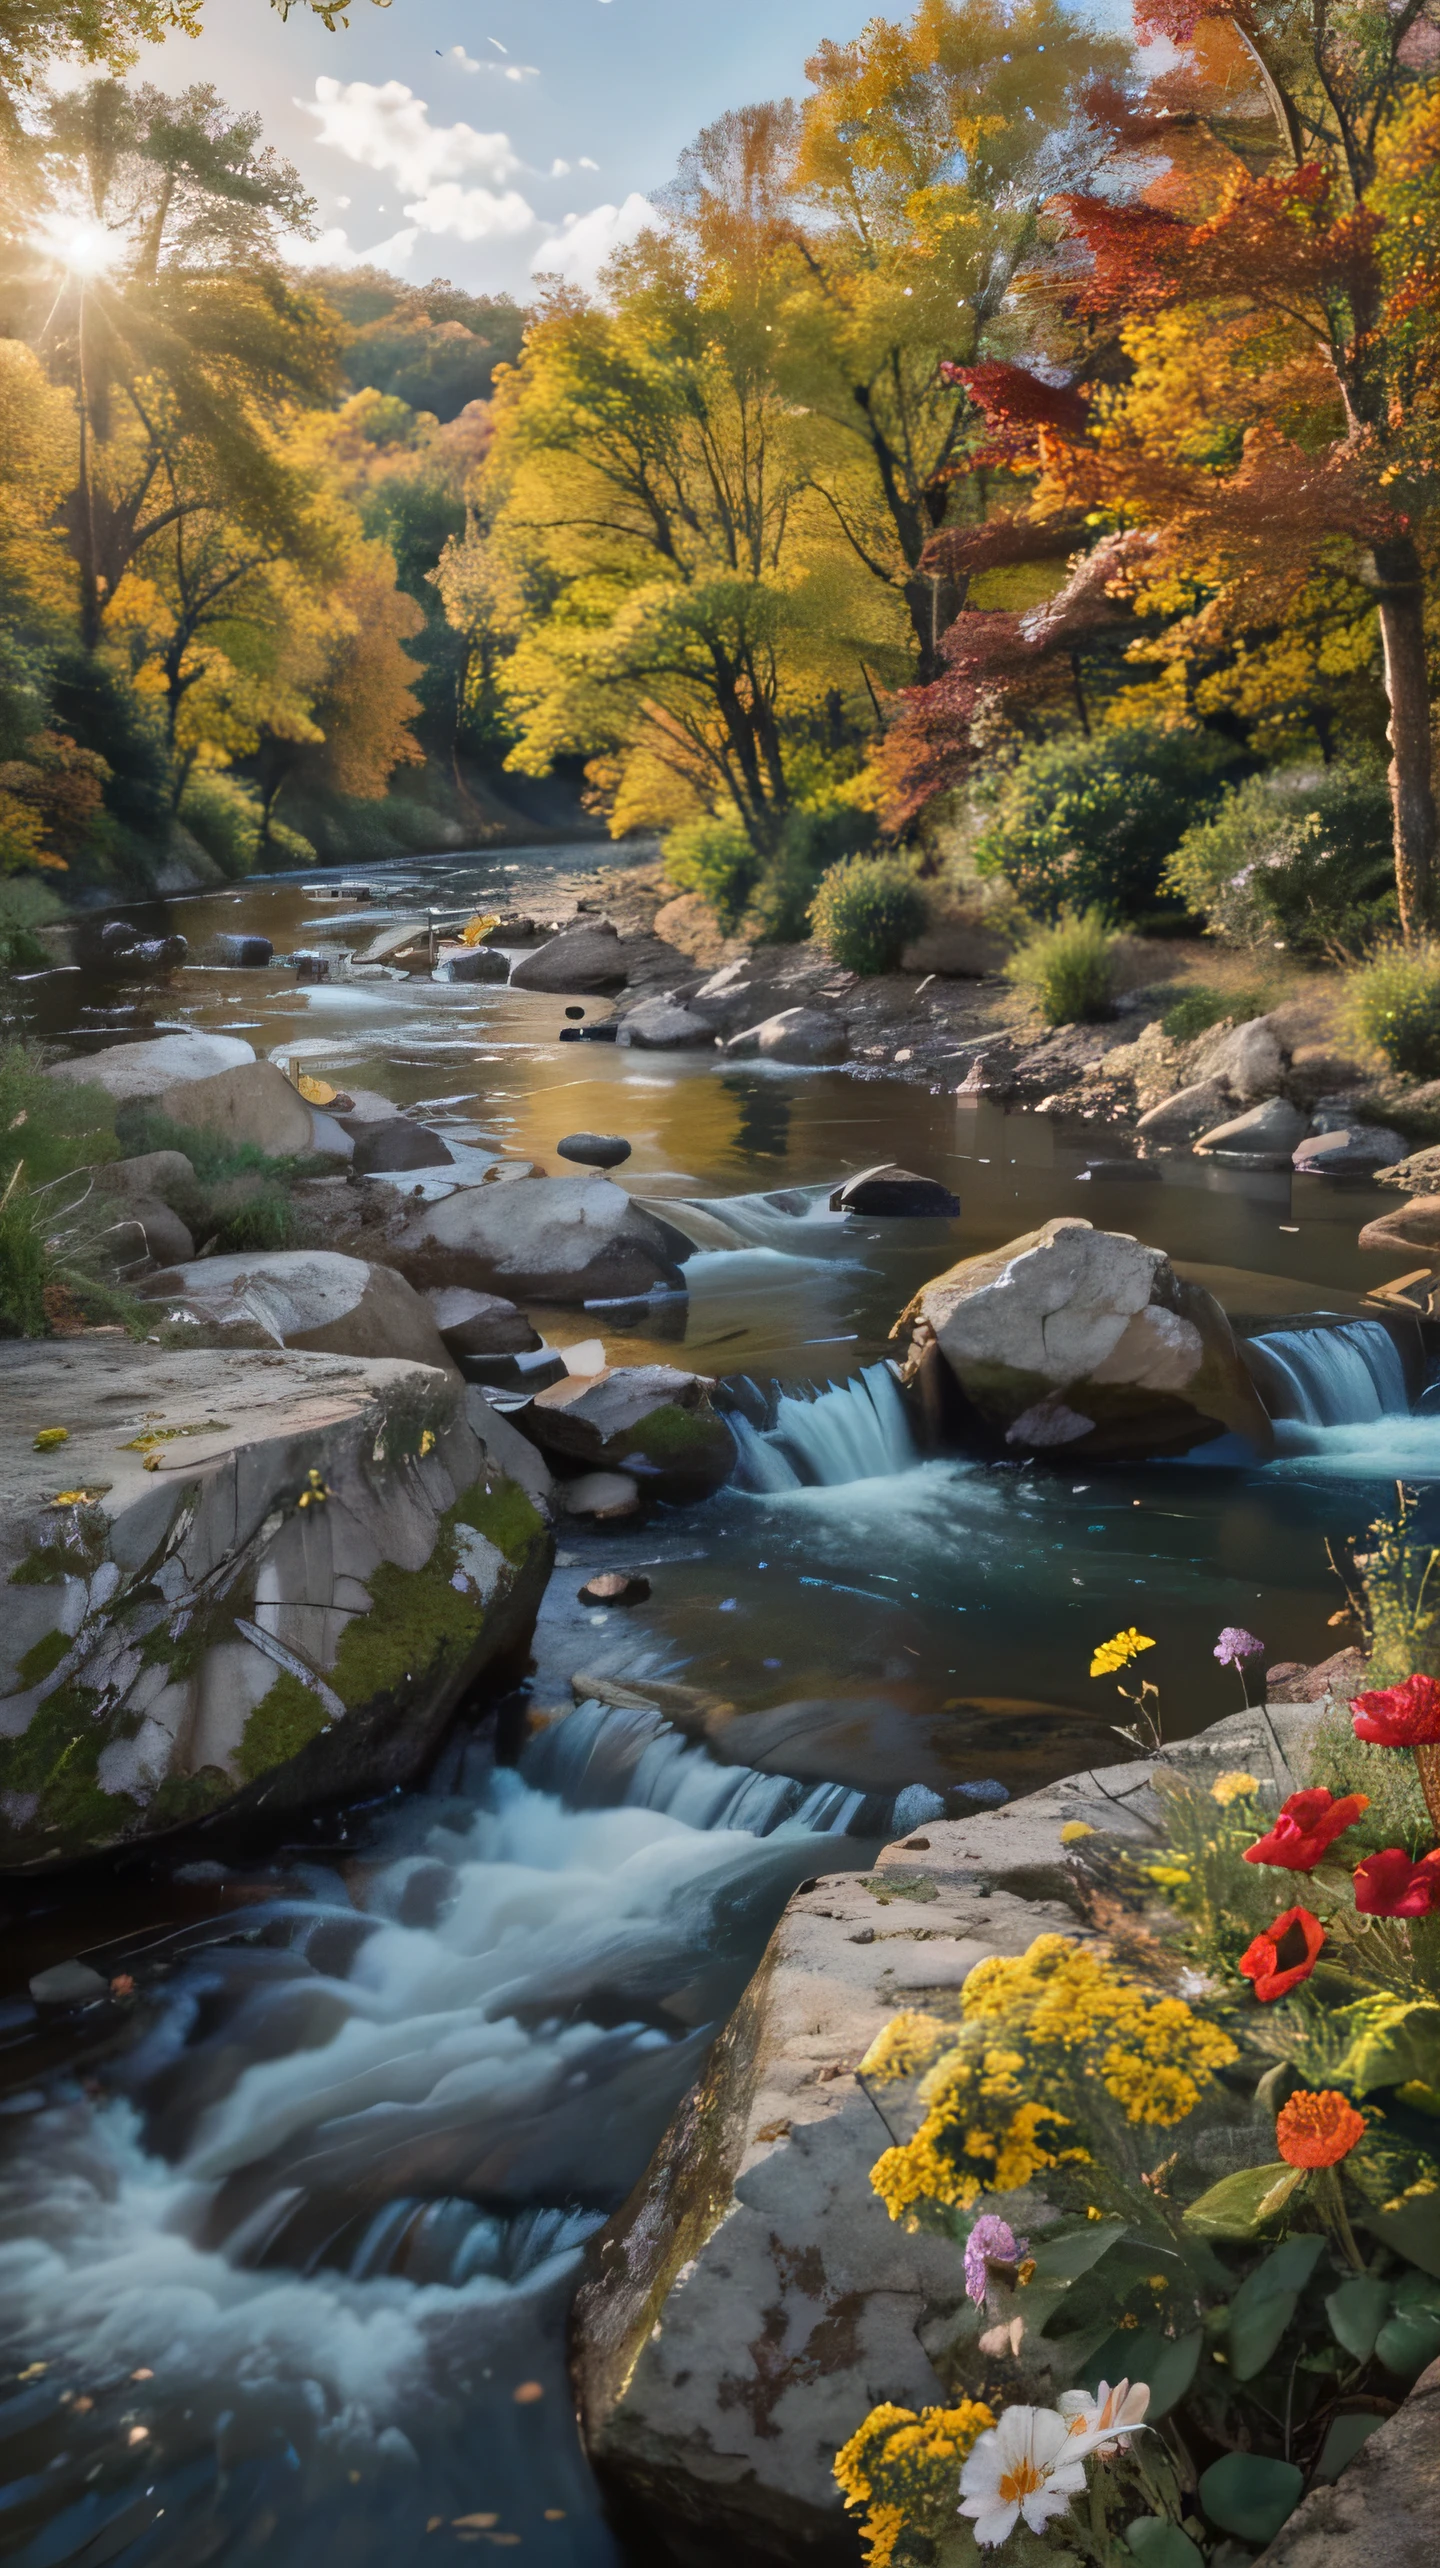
[{"x": 36, "y": 35}]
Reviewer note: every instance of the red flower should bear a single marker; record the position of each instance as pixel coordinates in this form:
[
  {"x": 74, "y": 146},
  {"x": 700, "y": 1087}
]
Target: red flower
[
  {"x": 1390, "y": 1885},
  {"x": 1317, "y": 2130},
  {"x": 1284, "y": 1954},
  {"x": 1309, "y": 1822},
  {"x": 1400, "y": 1716}
]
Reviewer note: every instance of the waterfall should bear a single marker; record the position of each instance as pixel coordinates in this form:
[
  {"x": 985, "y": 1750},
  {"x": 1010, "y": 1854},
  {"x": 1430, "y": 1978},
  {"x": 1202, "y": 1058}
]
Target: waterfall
[
  {"x": 1330, "y": 1377},
  {"x": 856, "y": 1430}
]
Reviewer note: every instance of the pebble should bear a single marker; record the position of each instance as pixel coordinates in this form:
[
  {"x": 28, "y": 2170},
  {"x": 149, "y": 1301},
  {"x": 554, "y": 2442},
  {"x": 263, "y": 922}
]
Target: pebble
[
  {"x": 614, "y": 1587},
  {"x": 594, "y": 1149}
]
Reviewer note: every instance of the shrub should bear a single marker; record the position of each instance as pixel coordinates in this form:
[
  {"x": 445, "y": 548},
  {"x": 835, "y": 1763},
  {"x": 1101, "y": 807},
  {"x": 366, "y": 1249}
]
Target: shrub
[
  {"x": 1393, "y": 1002},
  {"x": 1304, "y": 864},
  {"x": 55, "y": 1250},
  {"x": 867, "y": 911},
  {"x": 1197, "y": 1010},
  {"x": 50, "y": 1124},
  {"x": 225, "y": 818},
  {"x": 25, "y": 906},
  {"x": 715, "y": 858},
  {"x": 1087, "y": 822},
  {"x": 810, "y": 843},
  {"x": 1069, "y": 967}
]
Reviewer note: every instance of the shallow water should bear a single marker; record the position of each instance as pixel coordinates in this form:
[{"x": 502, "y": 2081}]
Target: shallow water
[{"x": 300, "y": 2230}]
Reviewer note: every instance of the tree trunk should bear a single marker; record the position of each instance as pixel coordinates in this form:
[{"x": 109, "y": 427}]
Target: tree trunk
[
  {"x": 1401, "y": 598},
  {"x": 934, "y": 600}
]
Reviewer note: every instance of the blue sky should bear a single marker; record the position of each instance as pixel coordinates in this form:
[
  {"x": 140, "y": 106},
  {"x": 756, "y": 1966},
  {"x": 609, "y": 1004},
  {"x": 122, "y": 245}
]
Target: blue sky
[{"x": 611, "y": 90}]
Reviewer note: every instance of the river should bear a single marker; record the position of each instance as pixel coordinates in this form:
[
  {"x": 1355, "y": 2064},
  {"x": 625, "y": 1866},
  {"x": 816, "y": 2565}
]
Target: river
[{"x": 285, "y": 2269}]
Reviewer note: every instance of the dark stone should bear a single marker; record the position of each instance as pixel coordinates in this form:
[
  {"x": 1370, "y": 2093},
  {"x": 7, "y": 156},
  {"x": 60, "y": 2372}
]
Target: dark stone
[
  {"x": 895, "y": 1191},
  {"x": 614, "y": 1587},
  {"x": 530, "y": 1371},
  {"x": 401, "y": 1144},
  {"x": 1111, "y": 1171},
  {"x": 477, "y": 963},
  {"x": 576, "y": 1013},
  {"x": 593, "y": 1149},
  {"x": 605, "y": 1032},
  {"x": 481, "y": 1323},
  {"x": 243, "y": 953},
  {"x": 309, "y": 967}
]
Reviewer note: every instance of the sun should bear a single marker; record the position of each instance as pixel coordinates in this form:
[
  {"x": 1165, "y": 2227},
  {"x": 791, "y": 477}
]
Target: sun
[{"x": 78, "y": 242}]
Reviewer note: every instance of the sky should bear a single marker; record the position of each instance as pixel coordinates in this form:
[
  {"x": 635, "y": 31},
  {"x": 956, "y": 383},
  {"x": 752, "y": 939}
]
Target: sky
[{"x": 485, "y": 139}]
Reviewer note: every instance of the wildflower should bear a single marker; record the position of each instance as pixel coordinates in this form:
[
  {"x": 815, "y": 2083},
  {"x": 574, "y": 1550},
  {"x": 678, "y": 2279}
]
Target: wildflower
[
  {"x": 1029, "y": 2464},
  {"x": 1073, "y": 1831},
  {"x": 1308, "y": 1823},
  {"x": 1317, "y": 2130},
  {"x": 909, "y": 2042},
  {"x": 990, "y": 2237},
  {"x": 1284, "y": 1954},
  {"x": 902, "y": 2467},
  {"x": 1390, "y": 1885},
  {"x": 1399, "y": 1716},
  {"x": 1233, "y": 1787},
  {"x": 1114, "y": 1654},
  {"x": 1111, "y": 2413},
  {"x": 1235, "y": 1645}
]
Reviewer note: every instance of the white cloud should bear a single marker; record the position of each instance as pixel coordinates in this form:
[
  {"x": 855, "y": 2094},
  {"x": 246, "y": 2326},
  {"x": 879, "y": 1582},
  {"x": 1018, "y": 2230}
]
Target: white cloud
[
  {"x": 388, "y": 128},
  {"x": 584, "y": 242},
  {"x": 472, "y": 213},
  {"x": 335, "y": 249},
  {"x": 465, "y": 61},
  {"x": 560, "y": 169},
  {"x": 589, "y": 164}
]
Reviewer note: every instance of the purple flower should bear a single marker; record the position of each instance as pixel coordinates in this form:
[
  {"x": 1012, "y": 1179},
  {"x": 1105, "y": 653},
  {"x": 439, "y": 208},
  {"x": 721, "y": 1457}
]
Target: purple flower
[
  {"x": 990, "y": 2236},
  {"x": 1235, "y": 1646}
]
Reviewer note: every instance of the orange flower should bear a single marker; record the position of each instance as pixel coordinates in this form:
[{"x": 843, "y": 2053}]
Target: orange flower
[{"x": 1317, "y": 2130}]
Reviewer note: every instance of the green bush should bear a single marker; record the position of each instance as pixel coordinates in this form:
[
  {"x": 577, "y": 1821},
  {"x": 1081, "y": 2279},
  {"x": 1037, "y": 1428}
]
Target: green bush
[
  {"x": 1087, "y": 822},
  {"x": 56, "y": 1254},
  {"x": 225, "y": 818},
  {"x": 24, "y": 906},
  {"x": 1308, "y": 865},
  {"x": 810, "y": 843},
  {"x": 1393, "y": 1002},
  {"x": 715, "y": 858},
  {"x": 867, "y": 910},
  {"x": 1070, "y": 968},
  {"x": 1198, "y": 1010},
  {"x": 50, "y": 1124}
]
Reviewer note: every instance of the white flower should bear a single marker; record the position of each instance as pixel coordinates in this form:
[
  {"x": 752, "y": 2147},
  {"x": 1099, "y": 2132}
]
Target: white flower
[
  {"x": 1099, "y": 2423},
  {"x": 1030, "y": 2464}
]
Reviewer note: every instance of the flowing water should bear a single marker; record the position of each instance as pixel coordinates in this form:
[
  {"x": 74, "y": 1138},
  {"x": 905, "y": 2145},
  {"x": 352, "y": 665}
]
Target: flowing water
[{"x": 285, "y": 2262}]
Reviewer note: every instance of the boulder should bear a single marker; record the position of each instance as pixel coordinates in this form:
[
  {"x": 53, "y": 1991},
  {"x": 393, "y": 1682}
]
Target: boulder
[
  {"x": 472, "y": 963},
  {"x": 1246, "y": 1059},
  {"x": 257, "y": 1580},
  {"x": 1417, "y": 1175},
  {"x": 1185, "y": 1115},
  {"x": 480, "y": 1323},
  {"x": 1385, "y": 2505},
  {"x": 1415, "y": 1225},
  {"x": 396, "y": 1145},
  {"x": 133, "y": 1070},
  {"x": 145, "y": 1227},
  {"x": 1263, "y": 1137},
  {"x": 1351, "y": 1150},
  {"x": 1086, "y": 1341},
  {"x": 594, "y": 1149},
  {"x": 802, "y": 1035},
  {"x": 550, "y": 1239},
  {"x": 581, "y": 958},
  {"x": 311, "y": 1297},
  {"x": 253, "y": 1102},
  {"x": 663, "y": 1025},
  {"x": 730, "y": 996},
  {"x": 159, "y": 1175},
  {"x": 649, "y": 1420},
  {"x": 242, "y": 953},
  {"x": 895, "y": 1192}
]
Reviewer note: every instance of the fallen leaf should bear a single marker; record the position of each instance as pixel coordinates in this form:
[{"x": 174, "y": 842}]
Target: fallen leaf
[
  {"x": 316, "y": 1092},
  {"x": 528, "y": 2393},
  {"x": 474, "y": 2523}
]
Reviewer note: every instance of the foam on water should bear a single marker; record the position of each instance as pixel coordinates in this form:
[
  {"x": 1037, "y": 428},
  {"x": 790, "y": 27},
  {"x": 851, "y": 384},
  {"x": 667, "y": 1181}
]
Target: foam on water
[{"x": 856, "y": 1430}]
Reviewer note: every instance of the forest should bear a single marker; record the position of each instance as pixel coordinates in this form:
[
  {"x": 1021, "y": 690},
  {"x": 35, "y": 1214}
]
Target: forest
[{"x": 1013, "y": 459}]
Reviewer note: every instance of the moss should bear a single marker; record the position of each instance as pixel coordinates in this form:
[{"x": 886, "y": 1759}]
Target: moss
[
  {"x": 42, "y": 1657},
  {"x": 283, "y": 1722},
  {"x": 184, "y": 1798},
  {"x": 503, "y": 1514},
  {"x": 57, "y": 1756}
]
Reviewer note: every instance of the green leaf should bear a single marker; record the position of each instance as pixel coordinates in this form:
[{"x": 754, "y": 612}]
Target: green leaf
[
  {"x": 1287, "y": 2268},
  {"x": 1396, "y": 2046},
  {"x": 1250, "y": 2496},
  {"x": 1157, "y": 2544},
  {"x": 1236, "y": 2206},
  {"x": 1412, "y": 2229},
  {"x": 1408, "y": 2342},
  {"x": 1166, "y": 2363},
  {"x": 1255, "y": 2332},
  {"x": 1357, "y": 2312},
  {"x": 1343, "y": 2442},
  {"x": 1063, "y": 2259}
]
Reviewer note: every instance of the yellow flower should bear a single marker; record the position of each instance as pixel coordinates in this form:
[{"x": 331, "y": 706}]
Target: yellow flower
[
  {"x": 1232, "y": 1787},
  {"x": 1117, "y": 1653},
  {"x": 909, "y": 2042},
  {"x": 1073, "y": 1831},
  {"x": 903, "y": 2470}
]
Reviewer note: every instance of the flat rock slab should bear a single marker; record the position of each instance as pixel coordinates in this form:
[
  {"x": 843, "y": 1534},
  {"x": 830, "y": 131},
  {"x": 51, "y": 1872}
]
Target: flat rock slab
[
  {"x": 246, "y": 1579},
  {"x": 126, "y": 1070},
  {"x": 550, "y": 1239},
  {"x": 895, "y": 1193},
  {"x": 311, "y": 1297},
  {"x": 752, "y": 2300}
]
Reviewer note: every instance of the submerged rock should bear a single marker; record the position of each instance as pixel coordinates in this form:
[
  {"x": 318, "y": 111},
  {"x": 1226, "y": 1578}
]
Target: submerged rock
[
  {"x": 895, "y": 1193},
  {"x": 310, "y": 1297},
  {"x": 1348, "y": 1150},
  {"x": 1263, "y": 1137},
  {"x": 553, "y": 1239},
  {"x": 259, "y": 1580},
  {"x": 646, "y": 1419},
  {"x": 126, "y": 1070},
  {"x": 1086, "y": 1341},
  {"x": 582, "y": 958},
  {"x": 800, "y": 1035},
  {"x": 663, "y": 1025}
]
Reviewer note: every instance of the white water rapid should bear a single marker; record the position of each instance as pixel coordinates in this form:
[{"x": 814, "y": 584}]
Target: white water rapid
[{"x": 856, "y": 1430}]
